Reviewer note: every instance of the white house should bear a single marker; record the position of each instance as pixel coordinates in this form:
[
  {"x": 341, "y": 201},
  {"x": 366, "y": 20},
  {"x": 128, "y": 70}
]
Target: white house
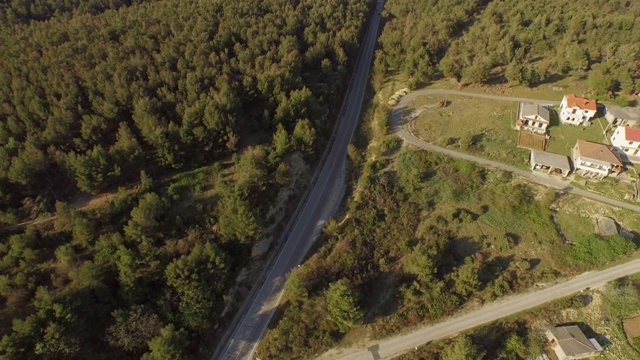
[
  {"x": 533, "y": 117},
  {"x": 595, "y": 160},
  {"x": 577, "y": 111},
  {"x": 627, "y": 140}
]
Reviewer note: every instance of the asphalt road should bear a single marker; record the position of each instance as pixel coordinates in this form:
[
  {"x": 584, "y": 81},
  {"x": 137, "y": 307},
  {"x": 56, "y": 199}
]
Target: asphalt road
[
  {"x": 507, "y": 306},
  {"x": 319, "y": 205},
  {"x": 540, "y": 178},
  {"x": 491, "y": 312}
]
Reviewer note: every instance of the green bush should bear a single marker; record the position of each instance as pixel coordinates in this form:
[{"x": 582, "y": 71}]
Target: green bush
[
  {"x": 595, "y": 250},
  {"x": 391, "y": 144},
  {"x": 503, "y": 243}
]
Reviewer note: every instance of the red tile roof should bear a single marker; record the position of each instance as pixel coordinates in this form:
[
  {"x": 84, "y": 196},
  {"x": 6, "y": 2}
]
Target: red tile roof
[
  {"x": 581, "y": 103},
  {"x": 632, "y": 134},
  {"x": 596, "y": 151}
]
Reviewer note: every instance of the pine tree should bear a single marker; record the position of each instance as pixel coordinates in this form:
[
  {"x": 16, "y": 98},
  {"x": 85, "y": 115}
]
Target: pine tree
[{"x": 342, "y": 306}]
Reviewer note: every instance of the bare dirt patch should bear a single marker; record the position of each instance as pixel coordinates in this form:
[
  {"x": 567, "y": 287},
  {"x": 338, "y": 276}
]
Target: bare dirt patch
[
  {"x": 529, "y": 140},
  {"x": 300, "y": 175},
  {"x": 632, "y": 327},
  {"x": 87, "y": 201}
]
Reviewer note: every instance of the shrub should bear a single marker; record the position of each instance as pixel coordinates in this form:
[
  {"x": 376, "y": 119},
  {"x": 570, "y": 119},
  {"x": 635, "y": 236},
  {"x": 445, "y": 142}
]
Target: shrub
[
  {"x": 503, "y": 243},
  {"x": 598, "y": 250}
]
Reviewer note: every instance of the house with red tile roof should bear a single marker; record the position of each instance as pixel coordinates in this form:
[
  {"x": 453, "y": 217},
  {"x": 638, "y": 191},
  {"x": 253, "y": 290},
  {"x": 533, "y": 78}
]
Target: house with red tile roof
[
  {"x": 595, "y": 160},
  {"x": 576, "y": 110},
  {"x": 627, "y": 140}
]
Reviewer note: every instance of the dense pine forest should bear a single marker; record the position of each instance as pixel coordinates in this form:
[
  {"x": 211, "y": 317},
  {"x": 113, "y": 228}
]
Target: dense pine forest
[
  {"x": 156, "y": 102},
  {"x": 400, "y": 256},
  {"x": 476, "y": 41},
  {"x": 99, "y": 95}
]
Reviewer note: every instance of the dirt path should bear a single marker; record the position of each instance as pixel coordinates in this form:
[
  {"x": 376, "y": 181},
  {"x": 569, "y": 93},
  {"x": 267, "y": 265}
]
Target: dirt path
[
  {"x": 82, "y": 203},
  {"x": 406, "y": 99}
]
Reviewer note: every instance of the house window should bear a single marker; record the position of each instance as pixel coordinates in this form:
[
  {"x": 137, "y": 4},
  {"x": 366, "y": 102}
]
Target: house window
[
  {"x": 573, "y": 111},
  {"x": 630, "y": 142},
  {"x": 539, "y": 125},
  {"x": 626, "y": 150},
  {"x": 613, "y": 138}
]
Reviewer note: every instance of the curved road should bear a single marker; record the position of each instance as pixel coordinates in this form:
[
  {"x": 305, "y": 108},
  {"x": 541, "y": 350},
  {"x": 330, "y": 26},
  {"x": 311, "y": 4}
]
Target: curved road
[
  {"x": 539, "y": 178},
  {"x": 320, "y": 203},
  {"x": 502, "y": 308}
]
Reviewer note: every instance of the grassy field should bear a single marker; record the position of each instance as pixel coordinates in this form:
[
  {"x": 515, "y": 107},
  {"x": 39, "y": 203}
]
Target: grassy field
[
  {"x": 491, "y": 123},
  {"x": 486, "y": 128},
  {"x": 550, "y": 91},
  {"x": 611, "y": 187},
  {"x": 508, "y": 223},
  {"x": 564, "y": 137}
]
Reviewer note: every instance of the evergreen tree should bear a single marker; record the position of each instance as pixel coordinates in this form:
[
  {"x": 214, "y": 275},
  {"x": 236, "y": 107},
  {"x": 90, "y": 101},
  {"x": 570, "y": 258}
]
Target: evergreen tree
[
  {"x": 133, "y": 329},
  {"x": 462, "y": 348},
  {"x": 342, "y": 306},
  {"x": 170, "y": 344},
  {"x": 304, "y": 136},
  {"x": 199, "y": 279},
  {"x": 281, "y": 142}
]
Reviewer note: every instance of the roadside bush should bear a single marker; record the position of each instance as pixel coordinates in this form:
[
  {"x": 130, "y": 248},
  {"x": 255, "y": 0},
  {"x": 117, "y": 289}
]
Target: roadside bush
[
  {"x": 391, "y": 144},
  {"x": 466, "y": 142},
  {"x": 624, "y": 299},
  {"x": 298, "y": 335},
  {"x": 503, "y": 243},
  {"x": 595, "y": 250}
]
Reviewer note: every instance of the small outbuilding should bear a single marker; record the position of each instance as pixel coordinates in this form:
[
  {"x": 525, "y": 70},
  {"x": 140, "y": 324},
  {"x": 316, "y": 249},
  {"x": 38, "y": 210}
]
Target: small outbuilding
[
  {"x": 622, "y": 116},
  {"x": 550, "y": 162},
  {"x": 569, "y": 342}
]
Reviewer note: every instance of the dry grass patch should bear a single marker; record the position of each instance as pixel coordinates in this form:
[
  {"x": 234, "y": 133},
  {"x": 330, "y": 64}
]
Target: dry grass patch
[
  {"x": 487, "y": 124},
  {"x": 564, "y": 137},
  {"x": 533, "y": 141},
  {"x": 550, "y": 91},
  {"x": 632, "y": 327}
]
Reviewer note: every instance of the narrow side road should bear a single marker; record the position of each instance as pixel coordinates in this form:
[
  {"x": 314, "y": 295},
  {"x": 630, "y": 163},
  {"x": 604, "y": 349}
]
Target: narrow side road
[
  {"x": 502, "y": 308},
  {"x": 539, "y": 178},
  {"x": 318, "y": 207}
]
